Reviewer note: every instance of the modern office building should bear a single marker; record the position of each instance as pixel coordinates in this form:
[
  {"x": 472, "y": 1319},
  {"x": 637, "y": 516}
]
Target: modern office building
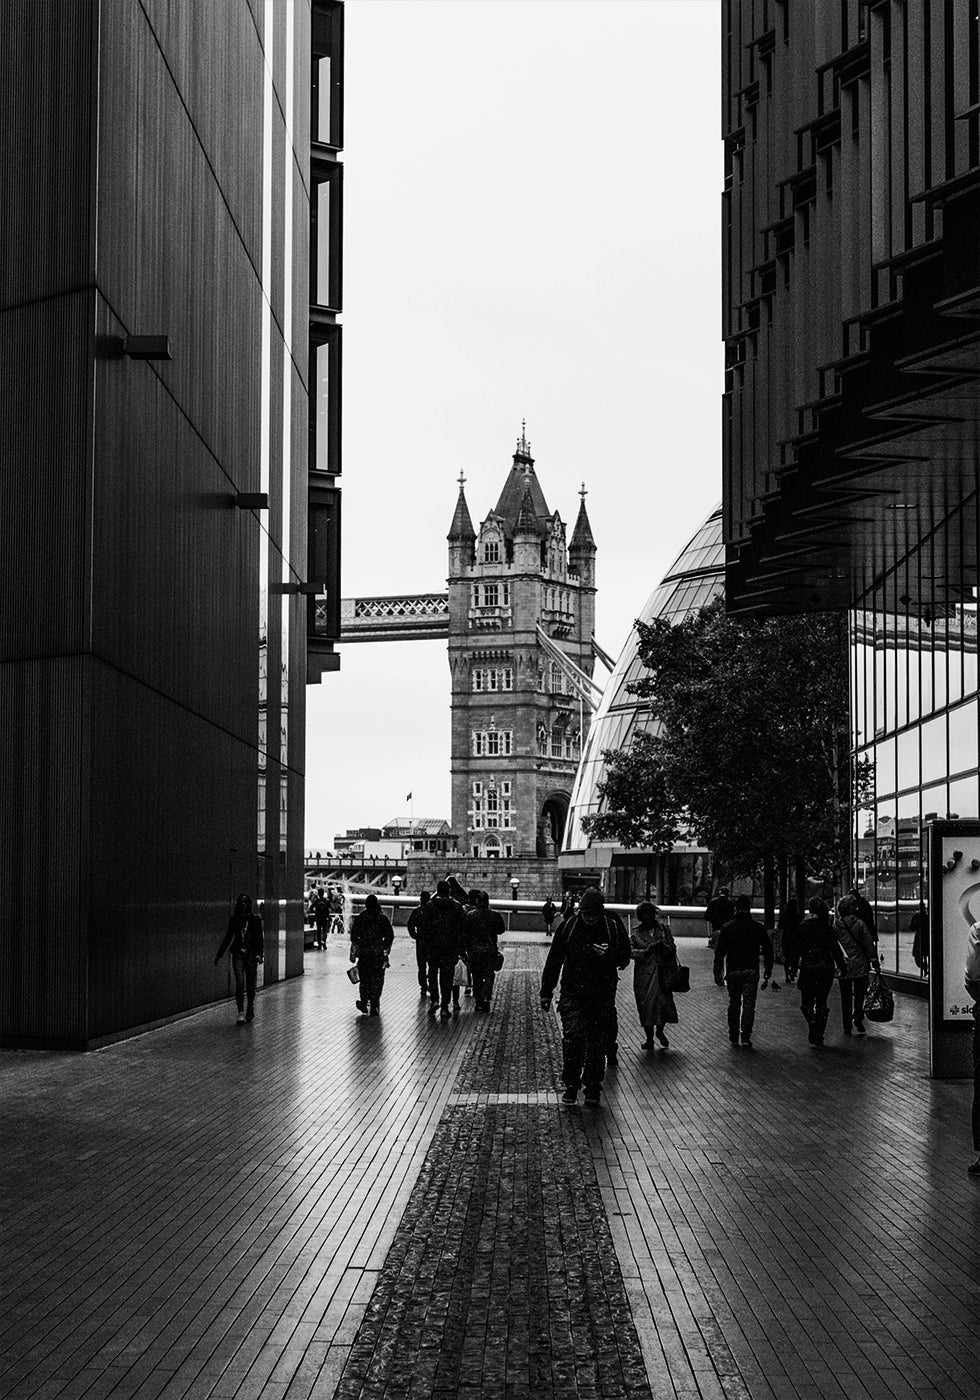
[
  {"x": 851, "y": 223},
  {"x": 158, "y": 454},
  {"x": 693, "y": 580}
]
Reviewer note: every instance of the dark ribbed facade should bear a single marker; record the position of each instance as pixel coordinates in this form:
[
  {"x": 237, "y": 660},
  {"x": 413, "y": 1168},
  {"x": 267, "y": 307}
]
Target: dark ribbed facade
[
  {"x": 852, "y": 328},
  {"x": 153, "y": 651},
  {"x": 851, "y": 294}
]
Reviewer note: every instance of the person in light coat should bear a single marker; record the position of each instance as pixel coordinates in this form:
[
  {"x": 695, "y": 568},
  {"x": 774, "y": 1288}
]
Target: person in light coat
[{"x": 653, "y": 950}]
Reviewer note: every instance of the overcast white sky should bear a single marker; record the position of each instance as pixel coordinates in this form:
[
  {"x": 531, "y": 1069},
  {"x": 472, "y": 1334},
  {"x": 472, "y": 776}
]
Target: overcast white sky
[{"x": 532, "y": 230}]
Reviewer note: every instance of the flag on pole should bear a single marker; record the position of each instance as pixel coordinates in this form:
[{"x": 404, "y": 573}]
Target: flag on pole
[{"x": 408, "y": 798}]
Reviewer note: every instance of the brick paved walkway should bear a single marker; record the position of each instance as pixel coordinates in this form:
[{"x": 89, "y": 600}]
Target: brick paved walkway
[{"x": 240, "y": 1212}]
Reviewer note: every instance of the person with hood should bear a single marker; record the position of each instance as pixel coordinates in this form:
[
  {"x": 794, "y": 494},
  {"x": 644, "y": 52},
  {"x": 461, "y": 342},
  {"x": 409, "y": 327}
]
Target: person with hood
[
  {"x": 371, "y": 937},
  {"x": 416, "y": 930},
  {"x": 445, "y": 937},
  {"x": 737, "y": 953},
  {"x": 819, "y": 954},
  {"x": 588, "y": 952},
  {"x": 483, "y": 927},
  {"x": 859, "y": 947},
  {"x": 654, "y": 950},
  {"x": 245, "y": 940}
]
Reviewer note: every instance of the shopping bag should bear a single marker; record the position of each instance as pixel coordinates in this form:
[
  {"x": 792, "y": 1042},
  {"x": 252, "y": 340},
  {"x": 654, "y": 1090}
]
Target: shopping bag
[
  {"x": 879, "y": 1002},
  {"x": 353, "y": 975}
]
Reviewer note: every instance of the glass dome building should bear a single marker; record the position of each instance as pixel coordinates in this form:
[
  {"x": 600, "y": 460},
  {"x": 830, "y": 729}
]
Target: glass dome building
[{"x": 696, "y": 576}]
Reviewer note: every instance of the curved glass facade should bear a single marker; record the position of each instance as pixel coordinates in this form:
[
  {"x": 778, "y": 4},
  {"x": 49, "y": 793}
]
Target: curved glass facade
[{"x": 696, "y": 576}]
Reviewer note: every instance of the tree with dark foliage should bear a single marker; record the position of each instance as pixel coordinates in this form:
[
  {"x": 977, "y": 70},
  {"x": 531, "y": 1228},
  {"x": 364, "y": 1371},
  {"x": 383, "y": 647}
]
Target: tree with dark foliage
[{"x": 749, "y": 752}]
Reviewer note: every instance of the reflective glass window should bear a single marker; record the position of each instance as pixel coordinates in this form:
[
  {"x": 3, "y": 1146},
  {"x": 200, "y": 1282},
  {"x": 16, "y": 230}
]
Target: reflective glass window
[
  {"x": 884, "y": 768},
  {"x": 964, "y": 797},
  {"x": 963, "y": 737},
  {"x": 908, "y": 759},
  {"x": 933, "y": 736}
]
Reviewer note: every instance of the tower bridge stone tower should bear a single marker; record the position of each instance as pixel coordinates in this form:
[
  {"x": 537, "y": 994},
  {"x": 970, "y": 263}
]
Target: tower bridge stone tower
[{"x": 517, "y": 724}]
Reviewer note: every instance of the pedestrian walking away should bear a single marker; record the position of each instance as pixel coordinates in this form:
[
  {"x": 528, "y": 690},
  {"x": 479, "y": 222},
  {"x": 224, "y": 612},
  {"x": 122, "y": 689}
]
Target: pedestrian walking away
[
  {"x": 718, "y": 913},
  {"x": 864, "y": 910},
  {"x": 654, "y": 952},
  {"x": 321, "y": 918},
  {"x": 741, "y": 942},
  {"x": 416, "y": 931},
  {"x": 371, "y": 937},
  {"x": 245, "y": 940},
  {"x": 483, "y": 928},
  {"x": 920, "y": 939},
  {"x": 861, "y": 952},
  {"x": 972, "y": 984},
  {"x": 788, "y": 924},
  {"x": 548, "y": 913},
  {"x": 587, "y": 954},
  {"x": 445, "y": 937},
  {"x": 819, "y": 954}
]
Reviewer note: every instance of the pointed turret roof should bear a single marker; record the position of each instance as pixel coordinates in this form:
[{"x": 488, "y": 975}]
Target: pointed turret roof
[
  {"x": 462, "y": 526},
  {"x": 520, "y": 480},
  {"x": 528, "y": 522},
  {"x": 582, "y": 538}
]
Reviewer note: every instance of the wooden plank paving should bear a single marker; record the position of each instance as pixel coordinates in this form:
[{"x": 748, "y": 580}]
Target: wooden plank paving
[{"x": 206, "y": 1210}]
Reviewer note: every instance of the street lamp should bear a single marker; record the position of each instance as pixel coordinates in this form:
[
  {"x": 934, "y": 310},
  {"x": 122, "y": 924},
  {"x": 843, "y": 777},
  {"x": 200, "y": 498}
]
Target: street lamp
[
  {"x": 396, "y": 881},
  {"x": 514, "y": 882}
]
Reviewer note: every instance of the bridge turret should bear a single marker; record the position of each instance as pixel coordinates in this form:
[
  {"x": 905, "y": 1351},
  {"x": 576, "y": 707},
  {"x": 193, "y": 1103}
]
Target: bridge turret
[
  {"x": 527, "y": 536},
  {"x": 462, "y": 536}
]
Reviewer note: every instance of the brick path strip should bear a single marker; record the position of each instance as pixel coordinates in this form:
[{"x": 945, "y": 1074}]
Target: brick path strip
[{"x": 503, "y": 1278}]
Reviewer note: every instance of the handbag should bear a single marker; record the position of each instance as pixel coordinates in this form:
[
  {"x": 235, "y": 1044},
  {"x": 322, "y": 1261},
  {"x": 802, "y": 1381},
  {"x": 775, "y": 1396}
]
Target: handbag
[
  {"x": 879, "y": 1001},
  {"x": 353, "y": 975},
  {"x": 676, "y": 977},
  {"x": 498, "y": 962}
]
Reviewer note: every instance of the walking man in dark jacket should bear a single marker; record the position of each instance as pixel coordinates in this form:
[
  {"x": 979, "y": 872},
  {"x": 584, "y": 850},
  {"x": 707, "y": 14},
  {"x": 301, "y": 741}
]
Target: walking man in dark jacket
[
  {"x": 483, "y": 927},
  {"x": 416, "y": 930},
  {"x": 718, "y": 913},
  {"x": 737, "y": 956},
  {"x": 246, "y": 941},
  {"x": 444, "y": 928},
  {"x": 588, "y": 951}
]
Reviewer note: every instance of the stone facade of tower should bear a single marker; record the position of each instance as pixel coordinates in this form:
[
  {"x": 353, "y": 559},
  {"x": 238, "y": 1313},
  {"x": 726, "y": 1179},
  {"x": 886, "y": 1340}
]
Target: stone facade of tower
[{"x": 517, "y": 725}]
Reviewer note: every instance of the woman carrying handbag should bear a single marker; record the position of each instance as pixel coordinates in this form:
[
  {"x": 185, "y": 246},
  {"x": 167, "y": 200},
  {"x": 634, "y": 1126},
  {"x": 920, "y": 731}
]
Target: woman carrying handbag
[{"x": 654, "y": 955}]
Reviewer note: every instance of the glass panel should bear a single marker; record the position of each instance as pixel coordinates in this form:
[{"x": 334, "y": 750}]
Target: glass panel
[
  {"x": 964, "y": 797},
  {"x": 934, "y": 802},
  {"x": 933, "y": 734},
  {"x": 884, "y": 768},
  {"x": 322, "y": 392},
  {"x": 964, "y": 738},
  {"x": 908, "y": 759},
  {"x": 321, "y": 107},
  {"x": 322, "y": 291}
]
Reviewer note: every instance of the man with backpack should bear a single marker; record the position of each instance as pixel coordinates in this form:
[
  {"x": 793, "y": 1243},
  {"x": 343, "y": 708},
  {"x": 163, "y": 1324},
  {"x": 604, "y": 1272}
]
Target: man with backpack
[{"x": 589, "y": 950}]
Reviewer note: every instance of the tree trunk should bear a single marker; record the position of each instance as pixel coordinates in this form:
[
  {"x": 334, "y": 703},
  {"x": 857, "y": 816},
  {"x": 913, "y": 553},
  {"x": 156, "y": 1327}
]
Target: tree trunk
[
  {"x": 783, "y": 881},
  {"x": 769, "y": 891},
  {"x": 801, "y": 883}
]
